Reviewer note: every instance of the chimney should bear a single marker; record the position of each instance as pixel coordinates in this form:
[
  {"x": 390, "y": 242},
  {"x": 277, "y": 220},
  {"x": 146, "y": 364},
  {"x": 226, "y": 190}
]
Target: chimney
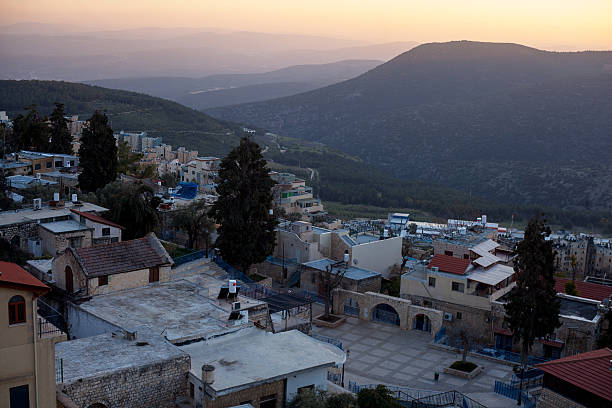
[{"x": 208, "y": 374}]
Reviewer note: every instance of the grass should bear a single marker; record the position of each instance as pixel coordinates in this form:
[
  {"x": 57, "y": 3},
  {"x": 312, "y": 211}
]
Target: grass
[{"x": 465, "y": 366}]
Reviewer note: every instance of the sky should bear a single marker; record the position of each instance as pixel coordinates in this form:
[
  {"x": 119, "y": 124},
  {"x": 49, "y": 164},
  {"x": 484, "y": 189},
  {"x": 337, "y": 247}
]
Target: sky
[{"x": 549, "y": 24}]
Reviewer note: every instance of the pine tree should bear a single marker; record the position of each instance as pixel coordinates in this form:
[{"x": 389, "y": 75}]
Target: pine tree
[
  {"x": 97, "y": 154},
  {"x": 31, "y": 131},
  {"x": 532, "y": 310},
  {"x": 246, "y": 235},
  {"x": 61, "y": 139}
]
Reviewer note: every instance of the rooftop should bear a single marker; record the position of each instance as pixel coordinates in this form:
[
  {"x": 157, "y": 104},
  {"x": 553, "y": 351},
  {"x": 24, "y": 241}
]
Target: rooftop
[
  {"x": 351, "y": 273},
  {"x": 572, "y": 307},
  {"x": 585, "y": 290},
  {"x": 106, "y": 354},
  {"x": 180, "y": 309},
  {"x": 12, "y": 274},
  {"x": 491, "y": 276},
  {"x": 30, "y": 214},
  {"x": 96, "y": 218},
  {"x": 120, "y": 257},
  {"x": 589, "y": 371},
  {"x": 23, "y": 182},
  {"x": 58, "y": 227},
  {"x": 252, "y": 356},
  {"x": 449, "y": 264}
]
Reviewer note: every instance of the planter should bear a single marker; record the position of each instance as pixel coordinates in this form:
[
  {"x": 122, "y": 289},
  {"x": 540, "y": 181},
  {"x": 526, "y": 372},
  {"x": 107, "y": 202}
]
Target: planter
[
  {"x": 332, "y": 322},
  {"x": 463, "y": 374}
]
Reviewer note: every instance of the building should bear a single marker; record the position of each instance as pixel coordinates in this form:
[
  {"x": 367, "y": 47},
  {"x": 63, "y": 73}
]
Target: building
[
  {"x": 57, "y": 236},
  {"x": 85, "y": 272},
  {"x": 21, "y": 182},
  {"x": 4, "y": 119},
  {"x": 104, "y": 231},
  {"x": 233, "y": 370},
  {"x": 47, "y": 162},
  {"x": 583, "y": 380},
  {"x": 354, "y": 279},
  {"x": 27, "y": 342},
  {"x": 295, "y": 197},
  {"x": 15, "y": 168},
  {"x": 202, "y": 171},
  {"x": 397, "y": 222},
  {"x": 121, "y": 369}
]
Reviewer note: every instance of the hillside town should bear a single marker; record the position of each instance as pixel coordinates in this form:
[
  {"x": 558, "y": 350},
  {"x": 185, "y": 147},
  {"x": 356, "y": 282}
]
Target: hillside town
[{"x": 197, "y": 281}]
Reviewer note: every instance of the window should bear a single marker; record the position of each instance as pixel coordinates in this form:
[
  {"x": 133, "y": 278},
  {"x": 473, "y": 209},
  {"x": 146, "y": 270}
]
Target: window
[
  {"x": 58, "y": 163},
  {"x": 457, "y": 287},
  {"x": 102, "y": 280},
  {"x": 19, "y": 397},
  {"x": 306, "y": 388},
  {"x": 313, "y": 278},
  {"x": 37, "y": 166},
  {"x": 17, "y": 310},
  {"x": 49, "y": 164},
  {"x": 466, "y": 256},
  {"x": 76, "y": 242},
  {"x": 105, "y": 232},
  {"x": 432, "y": 282},
  {"x": 269, "y": 401},
  {"x": 154, "y": 274},
  {"x": 115, "y": 239},
  {"x": 459, "y": 315},
  {"x": 448, "y": 253}
]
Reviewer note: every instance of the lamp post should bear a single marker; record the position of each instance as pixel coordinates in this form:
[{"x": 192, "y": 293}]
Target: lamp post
[{"x": 348, "y": 352}]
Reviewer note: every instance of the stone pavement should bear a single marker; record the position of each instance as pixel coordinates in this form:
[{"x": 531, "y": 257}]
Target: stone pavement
[{"x": 384, "y": 354}]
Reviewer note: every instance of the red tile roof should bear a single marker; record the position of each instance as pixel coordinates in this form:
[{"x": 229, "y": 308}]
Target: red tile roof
[
  {"x": 120, "y": 257},
  {"x": 586, "y": 290},
  {"x": 14, "y": 275},
  {"x": 97, "y": 218},
  {"x": 589, "y": 371},
  {"x": 449, "y": 264}
]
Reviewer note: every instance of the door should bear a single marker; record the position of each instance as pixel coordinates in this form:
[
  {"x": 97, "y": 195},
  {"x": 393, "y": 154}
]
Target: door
[
  {"x": 154, "y": 274},
  {"x": 69, "y": 284},
  {"x": 20, "y": 397}
]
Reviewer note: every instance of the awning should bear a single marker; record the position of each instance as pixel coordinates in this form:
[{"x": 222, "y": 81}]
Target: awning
[
  {"x": 492, "y": 276},
  {"x": 552, "y": 343}
]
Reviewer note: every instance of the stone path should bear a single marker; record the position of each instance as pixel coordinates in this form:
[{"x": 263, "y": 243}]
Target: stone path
[{"x": 384, "y": 354}]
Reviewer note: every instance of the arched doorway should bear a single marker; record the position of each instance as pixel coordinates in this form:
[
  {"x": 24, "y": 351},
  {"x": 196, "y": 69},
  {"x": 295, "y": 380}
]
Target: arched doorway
[
  {"x": 385, "y": 314},
  {"x": 69, "y": 283},
  {"x": 422, "y": 323},
  {"x": 16, "y": 241}
]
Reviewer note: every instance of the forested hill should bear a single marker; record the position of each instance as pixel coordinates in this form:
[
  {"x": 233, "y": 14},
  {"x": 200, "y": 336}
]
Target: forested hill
[
  {"x": 177, "y": 124},
  {"x": 502, "y": 121}
]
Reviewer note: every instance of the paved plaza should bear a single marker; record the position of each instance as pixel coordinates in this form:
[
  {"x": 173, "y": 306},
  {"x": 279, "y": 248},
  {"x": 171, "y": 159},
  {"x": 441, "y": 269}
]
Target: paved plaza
[{"x": 384, "y": 354}]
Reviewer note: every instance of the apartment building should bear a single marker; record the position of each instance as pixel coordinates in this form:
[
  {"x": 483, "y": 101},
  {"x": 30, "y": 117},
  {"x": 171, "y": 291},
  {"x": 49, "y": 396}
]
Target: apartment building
[{"x": 295, "y": 197}]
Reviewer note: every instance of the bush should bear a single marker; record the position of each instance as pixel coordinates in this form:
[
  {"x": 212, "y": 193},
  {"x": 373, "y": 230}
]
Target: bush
[{"x": 465, "y": 366}]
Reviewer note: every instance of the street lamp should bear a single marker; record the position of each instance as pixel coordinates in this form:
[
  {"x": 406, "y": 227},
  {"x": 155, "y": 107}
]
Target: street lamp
[{"x": 348, "y": 352}]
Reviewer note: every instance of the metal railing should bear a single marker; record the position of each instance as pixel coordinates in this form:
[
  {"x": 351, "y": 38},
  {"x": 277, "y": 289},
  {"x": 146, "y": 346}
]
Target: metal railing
[
  {"x": 192, "y": 256},
  {"x": 59, "y": 370},
  {"x": 399, "y": 393},
  {"x": 46, "y": 328},
  {"x": 511, "y": 392},
  {"x": 446, "y": 399},
  {"x": 326, "y": 339},
  {"x": 50, "y": 321}
]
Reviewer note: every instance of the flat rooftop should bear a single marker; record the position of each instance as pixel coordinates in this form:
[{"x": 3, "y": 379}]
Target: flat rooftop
[
  {"x": 106, "y": 354},
  {"x": 64, "y": 226},
  {"x": 252, "y": 356},
  {"x": 180, "y": 309},
  {"x": 30, "y": 214},
  {"x": 578, "y": 308},
  {"x": 351, "y": 273}
]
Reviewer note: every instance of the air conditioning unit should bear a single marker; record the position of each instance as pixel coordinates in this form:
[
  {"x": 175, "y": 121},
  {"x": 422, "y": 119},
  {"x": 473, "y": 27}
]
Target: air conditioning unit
[
  {"x": 37, "y": 203},
  {"x": 236, "y": 306},
  {"x": 448, "y": 316}
]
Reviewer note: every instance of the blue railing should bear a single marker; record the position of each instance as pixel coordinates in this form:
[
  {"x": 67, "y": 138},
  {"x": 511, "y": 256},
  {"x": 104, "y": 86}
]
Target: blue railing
[
  {"x": 336, "y": 378},
  {"x": 511, "y": 392},
  {"x": 440, "y": 334},
  {"x": 281, "y": 261},
  {"x": 326, "y": 339},
  {"x": 179, "y": 260},
  {"x": 351, "y": 310},
  {"x": 235, "y": 273},
  {"x": 446, "y": 399}
]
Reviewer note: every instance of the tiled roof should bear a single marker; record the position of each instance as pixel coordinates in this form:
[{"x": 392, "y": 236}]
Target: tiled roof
[
  {"x": 589, "y": 371},
  {"x": 120, "y": 257},
  {"x": 97, "y": 218},
  {"x": 449, "y": 264},
  {"x": 586, "y": 290},
  {"x": 14, "y": 275}
]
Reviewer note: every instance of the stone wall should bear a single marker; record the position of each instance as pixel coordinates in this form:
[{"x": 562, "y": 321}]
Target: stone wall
[
  {"x": 56, "y": 243},
  {"x": 24, "y": 231},
  {"x": 155, "y": 385},
  {"x": 550, "y": 399},
  {"x": 252, "y": 395}
]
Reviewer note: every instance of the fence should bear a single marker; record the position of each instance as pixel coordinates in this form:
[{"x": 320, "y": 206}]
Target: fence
[
  {"x": 179, "y": 260},
  {"x": 491, "y": 351},
  {"x": 50, "y": 321},
  {"x": 446, "y": 399},
  {"x": 326, "y": 339},
  {"x": 59, "y": 370},
  {"x": 336, "y": 378},
  {"x": 509, "y": 391},
  {"x": 399, "y": 393}
]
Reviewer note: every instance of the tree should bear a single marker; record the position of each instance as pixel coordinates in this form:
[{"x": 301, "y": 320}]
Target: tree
[
  {"x": 331, "y": 280},
  {"x": 321, "y": 399},
  {"x": 532, "y": 310},
  {"x": 379, "y": 397},
  {"x": 97, "y": 154},
  {"x": 570, "y": 288},
  {"x": 605, "y": 338},
  {"x": 127, "y": 160},
  {"x": 60, "y": 137},
  {"x": 468, "y": 334},
  {"x": 31, "y": 131},
  {"x": 246, "y": 235},
  {"x": 193, "y": 219}
]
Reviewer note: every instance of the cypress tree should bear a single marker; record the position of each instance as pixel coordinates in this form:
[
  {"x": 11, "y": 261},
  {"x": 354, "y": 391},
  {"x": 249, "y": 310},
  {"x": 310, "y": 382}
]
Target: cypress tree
[
  {"x": 532, "y": 310},
  {"x": 97, "y": 154},
  {"x": 61, "y": 140},
  {"x": 31, "y": 131},
  {"x": 246, "y": 235}
]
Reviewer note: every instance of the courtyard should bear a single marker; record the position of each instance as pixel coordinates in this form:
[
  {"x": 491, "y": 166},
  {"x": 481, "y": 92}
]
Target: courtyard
[{"x": 385, "y": 354}]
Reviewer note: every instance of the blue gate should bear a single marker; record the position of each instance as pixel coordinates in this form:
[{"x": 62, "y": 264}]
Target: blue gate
[{"x": 385, "y": 314}]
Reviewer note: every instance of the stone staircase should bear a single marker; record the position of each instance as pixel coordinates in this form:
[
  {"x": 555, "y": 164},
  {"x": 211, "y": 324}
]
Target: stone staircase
[{"x": 197, "y": 267}]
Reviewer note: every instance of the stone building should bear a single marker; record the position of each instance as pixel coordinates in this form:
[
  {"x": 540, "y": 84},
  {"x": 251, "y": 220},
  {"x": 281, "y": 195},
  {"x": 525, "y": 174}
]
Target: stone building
[
  {"x": 354, "y": 279},
  {"x": 59, "y": 235},
  {"x": 121, "y": 369},
  {"x": 27, "y": 340},
  {"x": 109, "y": 268}
]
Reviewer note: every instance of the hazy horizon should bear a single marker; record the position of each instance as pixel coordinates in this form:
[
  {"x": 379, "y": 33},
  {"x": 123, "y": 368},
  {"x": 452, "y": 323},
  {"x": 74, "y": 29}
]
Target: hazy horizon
[{"x": 545, "y": 24}]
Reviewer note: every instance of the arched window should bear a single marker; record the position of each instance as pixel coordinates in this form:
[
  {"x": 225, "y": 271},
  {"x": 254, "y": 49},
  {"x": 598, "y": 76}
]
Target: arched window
[{"x": 17, "y": 310}]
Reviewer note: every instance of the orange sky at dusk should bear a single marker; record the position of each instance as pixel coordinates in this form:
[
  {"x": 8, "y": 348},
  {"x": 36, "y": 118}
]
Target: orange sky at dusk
[{"x": 549, "y": 24}]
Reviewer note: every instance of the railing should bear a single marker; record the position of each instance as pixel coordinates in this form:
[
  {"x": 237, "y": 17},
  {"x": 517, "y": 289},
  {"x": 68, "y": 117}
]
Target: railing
[
  {"x": 351, "y": 310},
  {"x": 446, "y": 399},
  {"x": 528, "y": 382},
  {"x": 179, "y": 260},
  {"x": 495, "y": 352},
  {"x": 295, "y": 278},
  {"x": 50, "y": 321},
  {"x": 399, "y": 393},
  {"x": 46, "y": 328},
  {"x": 511, "y": 392},
  {"x": 440, "y": 334},
  {"x": 329, "y": 340},
  {"x": 59, "y": 370},
  {"x": 235, "y": 273},
  {"x": 336, "y": 378}
]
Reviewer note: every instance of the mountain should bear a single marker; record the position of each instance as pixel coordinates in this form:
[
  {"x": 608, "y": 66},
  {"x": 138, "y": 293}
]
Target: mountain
[
  {"x": 500, "y": 121},
  {"x": 229, "y": 89},
  {"x": 177, "y": 124},
  {"x": 34, "y": 51}
]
